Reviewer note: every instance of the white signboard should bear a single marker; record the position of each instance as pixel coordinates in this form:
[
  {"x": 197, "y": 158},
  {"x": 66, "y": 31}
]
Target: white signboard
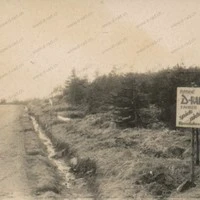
[{"x": 188, "y": 107}]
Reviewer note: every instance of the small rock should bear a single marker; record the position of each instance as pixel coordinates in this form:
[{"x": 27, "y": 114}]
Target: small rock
[
  {"x": 59, "y": 154},
  {"x": 74, "y": 161}
]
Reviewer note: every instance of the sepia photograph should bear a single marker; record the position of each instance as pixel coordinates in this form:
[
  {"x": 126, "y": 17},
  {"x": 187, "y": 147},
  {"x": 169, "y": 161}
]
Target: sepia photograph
[{"x": 99, "y": 100}]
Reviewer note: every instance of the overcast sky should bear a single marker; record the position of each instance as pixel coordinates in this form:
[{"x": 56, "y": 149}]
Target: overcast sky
[{"x": 42, "y": 40}]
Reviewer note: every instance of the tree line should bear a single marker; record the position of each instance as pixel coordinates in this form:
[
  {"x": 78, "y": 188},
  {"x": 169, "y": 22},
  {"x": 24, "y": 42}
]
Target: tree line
[{"x": 134, "y": 99}]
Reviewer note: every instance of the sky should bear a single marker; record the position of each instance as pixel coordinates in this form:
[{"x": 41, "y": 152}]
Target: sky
[{"x": 43, "y": 40}]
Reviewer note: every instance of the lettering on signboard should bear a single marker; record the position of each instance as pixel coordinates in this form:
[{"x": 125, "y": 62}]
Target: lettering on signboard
[
  {"x": 193, "y": 100},
  {"x": 185, "y": 115},
  {"x": 195, "y": 116},
  {"x": 188, "y": 107}
]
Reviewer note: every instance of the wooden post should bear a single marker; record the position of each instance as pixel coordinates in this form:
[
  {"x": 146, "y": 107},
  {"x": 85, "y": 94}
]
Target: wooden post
[
  {"x": 192, "y": 155},
  {"x": 197, "y": 146}
]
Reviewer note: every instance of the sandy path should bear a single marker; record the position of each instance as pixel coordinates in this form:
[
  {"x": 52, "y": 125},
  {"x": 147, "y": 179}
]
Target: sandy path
[{"x": 13, "y": 180}]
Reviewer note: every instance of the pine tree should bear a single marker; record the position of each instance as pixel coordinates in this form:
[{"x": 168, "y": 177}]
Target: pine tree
[
  {"x": 128, "y": 102},
  {"x": 76, "y": 90}
]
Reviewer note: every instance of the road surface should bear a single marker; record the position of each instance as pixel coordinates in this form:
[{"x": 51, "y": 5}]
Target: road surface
[{"x": 13, "y": 180}]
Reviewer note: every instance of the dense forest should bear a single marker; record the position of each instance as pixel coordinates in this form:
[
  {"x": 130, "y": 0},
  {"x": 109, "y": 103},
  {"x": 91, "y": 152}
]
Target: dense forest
[{"x": 133, "y": 99}]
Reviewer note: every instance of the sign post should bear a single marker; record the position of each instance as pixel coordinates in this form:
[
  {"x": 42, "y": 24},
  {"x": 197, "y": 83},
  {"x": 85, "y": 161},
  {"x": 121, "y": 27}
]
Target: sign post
[
  {"x": 197, "y": 146},
  {"x": 192, "y": 155},
  {"x": 188, "y": 116}
]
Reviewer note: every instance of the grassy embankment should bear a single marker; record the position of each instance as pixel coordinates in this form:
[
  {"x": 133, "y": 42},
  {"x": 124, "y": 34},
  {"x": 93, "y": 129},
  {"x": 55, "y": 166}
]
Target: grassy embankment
[{"x": 122, "y": 164}]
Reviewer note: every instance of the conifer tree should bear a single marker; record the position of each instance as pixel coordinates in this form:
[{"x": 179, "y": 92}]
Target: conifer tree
[{"x": 128, "y": 102}]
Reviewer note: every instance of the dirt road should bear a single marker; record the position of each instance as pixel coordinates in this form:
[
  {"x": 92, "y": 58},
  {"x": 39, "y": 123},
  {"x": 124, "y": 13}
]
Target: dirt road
[{"x": 13, "y": 180}]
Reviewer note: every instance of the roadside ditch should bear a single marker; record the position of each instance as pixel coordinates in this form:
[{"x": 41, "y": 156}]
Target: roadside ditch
[{"x": 54, "y": 171}]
